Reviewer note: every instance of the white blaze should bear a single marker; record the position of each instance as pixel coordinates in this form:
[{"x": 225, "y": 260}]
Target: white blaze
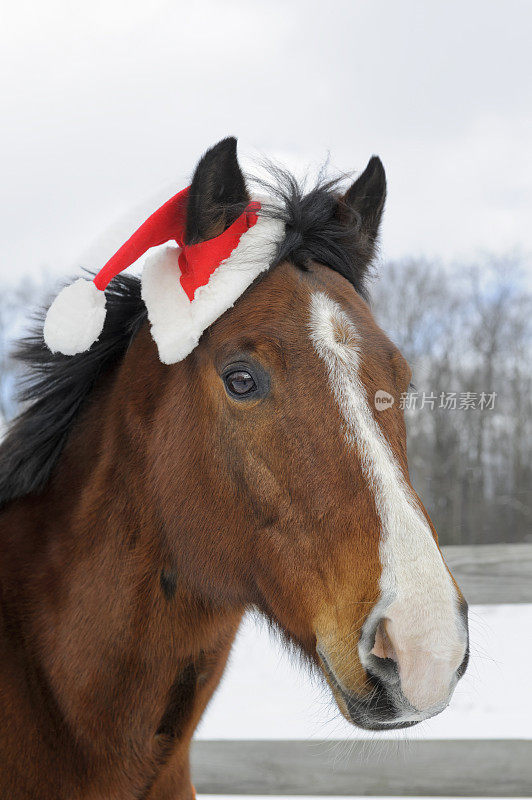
[{"x": 418, "y": 597}]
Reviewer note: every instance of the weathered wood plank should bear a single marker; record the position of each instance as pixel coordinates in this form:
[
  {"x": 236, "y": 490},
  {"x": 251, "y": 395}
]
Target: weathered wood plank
[
  {"x": 494, "y": 573},
  {"x": 473, "y": 768}
]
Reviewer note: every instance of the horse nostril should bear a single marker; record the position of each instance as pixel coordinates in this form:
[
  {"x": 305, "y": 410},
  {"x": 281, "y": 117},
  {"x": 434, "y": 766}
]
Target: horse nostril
[
  {"x": 383, "y": 662},
  {"x": 382, "y": 646}
]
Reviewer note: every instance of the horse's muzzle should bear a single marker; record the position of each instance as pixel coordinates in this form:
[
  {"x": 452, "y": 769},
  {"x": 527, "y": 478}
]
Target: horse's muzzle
[{"x": 384, "y": 706}]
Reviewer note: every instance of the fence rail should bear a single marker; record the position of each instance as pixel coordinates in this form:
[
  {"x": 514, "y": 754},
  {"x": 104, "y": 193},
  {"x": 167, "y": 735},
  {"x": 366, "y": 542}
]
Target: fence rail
[
  {"x": 500, "y": 573},
  {"x": 451, "y": 768},
  {"x": 492, "y": 573}
]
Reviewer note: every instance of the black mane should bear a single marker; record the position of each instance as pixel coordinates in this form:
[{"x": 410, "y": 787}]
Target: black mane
[
  {"x": 56, "y": 386},
  {"x": 316, "y": 228}
]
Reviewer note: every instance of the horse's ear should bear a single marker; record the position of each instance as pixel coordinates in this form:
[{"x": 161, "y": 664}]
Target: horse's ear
[
  {"x": 363, "y": 204},
  {"x": 218, "y": 193}
]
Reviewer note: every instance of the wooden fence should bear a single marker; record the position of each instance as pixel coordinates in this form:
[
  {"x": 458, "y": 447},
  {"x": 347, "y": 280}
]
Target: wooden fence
[{"x": 490, "y": 574}]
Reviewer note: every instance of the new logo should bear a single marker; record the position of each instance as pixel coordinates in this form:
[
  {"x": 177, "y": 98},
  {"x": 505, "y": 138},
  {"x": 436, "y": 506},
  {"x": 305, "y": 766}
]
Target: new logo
[{"x": 383, "y": 400}]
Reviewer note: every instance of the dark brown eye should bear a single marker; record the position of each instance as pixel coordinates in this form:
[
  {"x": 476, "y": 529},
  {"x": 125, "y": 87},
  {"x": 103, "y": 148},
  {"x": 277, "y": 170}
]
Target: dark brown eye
[{"x": 240, "y": 383}]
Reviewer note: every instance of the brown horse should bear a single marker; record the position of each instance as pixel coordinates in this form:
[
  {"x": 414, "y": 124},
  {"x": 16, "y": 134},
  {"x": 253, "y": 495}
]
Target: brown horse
[{"x": 145, "y": 507}]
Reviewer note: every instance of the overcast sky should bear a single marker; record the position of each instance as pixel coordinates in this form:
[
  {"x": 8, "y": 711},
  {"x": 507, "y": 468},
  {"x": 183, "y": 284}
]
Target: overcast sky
[{"x": 107, "y": 106}]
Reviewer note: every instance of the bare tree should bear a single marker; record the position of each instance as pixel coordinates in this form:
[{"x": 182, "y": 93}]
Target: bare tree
[{"x": 466, "y": 330}]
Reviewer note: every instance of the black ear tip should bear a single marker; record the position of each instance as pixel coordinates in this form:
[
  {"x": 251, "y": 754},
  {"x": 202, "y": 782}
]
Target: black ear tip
[
  {"x": 375, "y": 167},
  {"x": 222, "y": 153},
  {"x": 226, "y": 147},
  {"x": 367, "y": 195}
]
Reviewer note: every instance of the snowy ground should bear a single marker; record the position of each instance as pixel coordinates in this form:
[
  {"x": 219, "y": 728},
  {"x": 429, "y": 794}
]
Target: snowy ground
[{"x": 265, "y": 696}]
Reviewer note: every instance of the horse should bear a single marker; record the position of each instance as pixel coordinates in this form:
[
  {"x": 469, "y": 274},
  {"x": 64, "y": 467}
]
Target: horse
[{"x": 145, "y": 507}]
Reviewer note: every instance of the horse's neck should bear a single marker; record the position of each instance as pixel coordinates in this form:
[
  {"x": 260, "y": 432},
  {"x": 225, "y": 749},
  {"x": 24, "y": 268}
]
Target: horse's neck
[{"x": 102, "y": 641}]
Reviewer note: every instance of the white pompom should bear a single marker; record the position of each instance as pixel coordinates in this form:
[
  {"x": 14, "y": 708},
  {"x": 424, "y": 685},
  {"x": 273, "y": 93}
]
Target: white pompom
[{"x": 75, "y": 319}]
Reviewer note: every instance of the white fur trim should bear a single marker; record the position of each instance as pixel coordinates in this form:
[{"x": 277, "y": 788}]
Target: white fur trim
[
  {"x": 169, "y": 309},
  {"x": 75, "y": 319},
  {"x": 177, "y": 323}
]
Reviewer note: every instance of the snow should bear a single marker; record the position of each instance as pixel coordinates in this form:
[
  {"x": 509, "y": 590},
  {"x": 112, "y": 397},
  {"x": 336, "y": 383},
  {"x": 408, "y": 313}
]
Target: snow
[{"x": 266, "y": 695}]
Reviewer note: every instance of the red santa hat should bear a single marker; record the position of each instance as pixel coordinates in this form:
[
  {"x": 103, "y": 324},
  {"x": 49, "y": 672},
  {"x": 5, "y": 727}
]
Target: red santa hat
[{"x": 185, "y": 288}]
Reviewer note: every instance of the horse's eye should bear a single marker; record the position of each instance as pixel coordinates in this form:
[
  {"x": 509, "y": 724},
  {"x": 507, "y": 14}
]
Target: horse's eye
[{"x": 240, "y": 383}]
